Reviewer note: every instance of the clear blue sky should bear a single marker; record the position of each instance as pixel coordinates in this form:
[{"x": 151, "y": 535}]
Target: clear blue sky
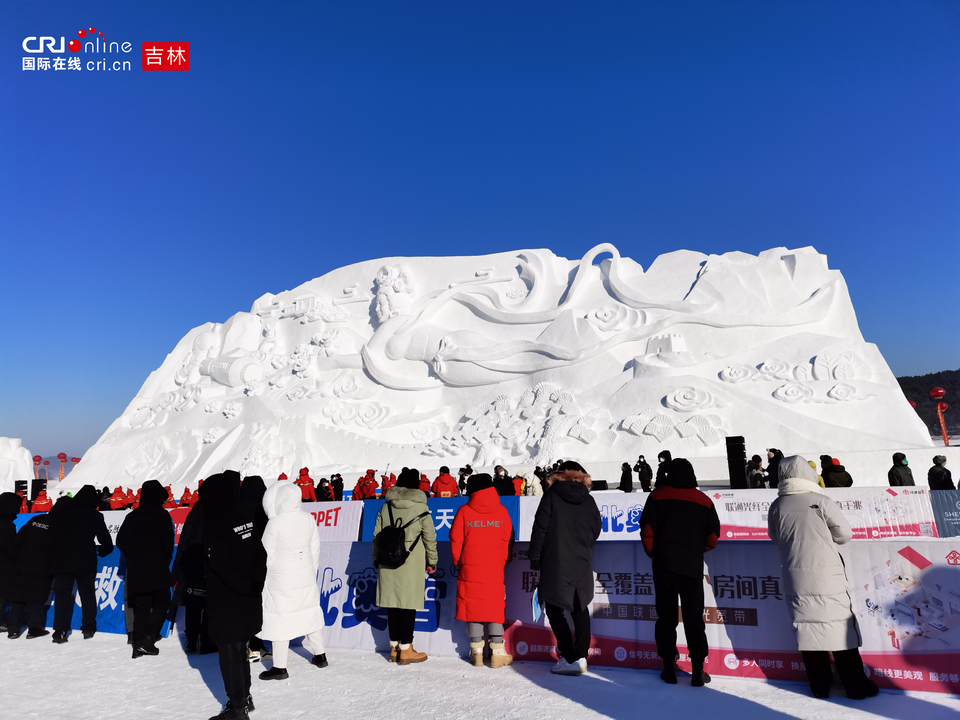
[{"x": 135, "y": 206}]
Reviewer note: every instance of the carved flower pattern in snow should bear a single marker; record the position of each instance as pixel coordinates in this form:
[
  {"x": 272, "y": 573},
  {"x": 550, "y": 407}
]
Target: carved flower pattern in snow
[
  {"x": 297, "y": 393},
  {"x": 212, "y": 435},
  {"x": 613, "y": 317},
  {"x": 842, "y": 392},
  {"x": 372, "y": 414},
  {"x": 212, "y": 406},
  {"x": 793, "y": 393},
  {"x": 738, "y": 373},
  {"x": 231, "y": 409},
  {"x": 425, "y": 433},
  {"x": 346, "y": 386},
  {"x": 685, "y": 399},
  {"x": 330, "y": 342},
  {"x": 776, "y": 369},
  {"x": 340, "y": 413}
]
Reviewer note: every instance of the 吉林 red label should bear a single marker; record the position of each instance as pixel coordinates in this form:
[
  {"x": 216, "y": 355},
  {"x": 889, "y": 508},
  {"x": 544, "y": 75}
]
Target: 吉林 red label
[{"x": 166, "y": 56}]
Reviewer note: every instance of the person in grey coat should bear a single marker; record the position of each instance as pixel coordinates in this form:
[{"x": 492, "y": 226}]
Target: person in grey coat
[
  {"x": 807, "y": 526},
  {"x": 401, "y": 589}
]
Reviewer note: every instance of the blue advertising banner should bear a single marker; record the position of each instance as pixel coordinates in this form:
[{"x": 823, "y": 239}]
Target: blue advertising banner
[
  {"x": 946, "y": 511},
  {"x": 443, "y": 511}
]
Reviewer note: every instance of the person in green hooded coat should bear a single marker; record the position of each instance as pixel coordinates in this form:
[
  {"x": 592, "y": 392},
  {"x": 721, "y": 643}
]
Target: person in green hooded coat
[{"x": 401, "y": 590}]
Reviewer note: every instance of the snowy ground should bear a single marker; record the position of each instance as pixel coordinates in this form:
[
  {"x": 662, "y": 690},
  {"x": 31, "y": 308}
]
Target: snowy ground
[{"x": 96, "y": 680}]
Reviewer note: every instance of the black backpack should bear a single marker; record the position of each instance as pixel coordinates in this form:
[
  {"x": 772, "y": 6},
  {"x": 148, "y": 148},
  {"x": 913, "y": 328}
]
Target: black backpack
[{"x": 391, "y": 541}]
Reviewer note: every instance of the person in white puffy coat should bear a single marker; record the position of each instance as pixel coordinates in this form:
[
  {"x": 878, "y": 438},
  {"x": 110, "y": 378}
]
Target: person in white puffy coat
[
  {"x": 807, "y": 527},
  {"x": 291, "y": 598}
]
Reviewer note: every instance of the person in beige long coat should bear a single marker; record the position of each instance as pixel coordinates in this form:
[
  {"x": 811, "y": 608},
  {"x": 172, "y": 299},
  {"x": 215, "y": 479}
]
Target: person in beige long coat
[
  {"x": 401, "y": 590},
  {"x": 807, "y": 526}
]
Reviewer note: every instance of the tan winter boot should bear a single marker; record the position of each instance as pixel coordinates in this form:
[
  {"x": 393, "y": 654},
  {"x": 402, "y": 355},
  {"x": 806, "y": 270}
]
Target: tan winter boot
[
  {"x": 393, "y": 651},
  {"x": 408, "y": 655},
  {"x": 476, "y": 653},
  {"x": 498, "y": 656}
]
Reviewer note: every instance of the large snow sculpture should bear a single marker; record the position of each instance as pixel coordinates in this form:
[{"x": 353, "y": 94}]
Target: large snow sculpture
[
  {"x": 16, "y": 463},
  {"x": 515, "y": 358}
]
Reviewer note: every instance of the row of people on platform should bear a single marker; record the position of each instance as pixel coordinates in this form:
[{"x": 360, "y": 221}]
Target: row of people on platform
[{"x": 831, "y": 473}]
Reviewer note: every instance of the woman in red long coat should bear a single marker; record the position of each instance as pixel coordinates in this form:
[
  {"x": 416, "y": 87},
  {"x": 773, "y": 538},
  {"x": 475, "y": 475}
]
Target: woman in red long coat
[{"x": 481, "y": 540}]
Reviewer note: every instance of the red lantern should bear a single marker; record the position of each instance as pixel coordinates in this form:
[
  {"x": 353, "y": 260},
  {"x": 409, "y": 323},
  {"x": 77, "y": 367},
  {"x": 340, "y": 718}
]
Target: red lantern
[
  {"x": 74, "y": 460},
  {"x": 942, "y": 406},
  {"x": 62, "y": 457},
  {"x": 912, "y": 404},
  {"x": 937, "y": 393},
  {"x": 37, "y": 459},
  {"x": 46, "y": 462}
]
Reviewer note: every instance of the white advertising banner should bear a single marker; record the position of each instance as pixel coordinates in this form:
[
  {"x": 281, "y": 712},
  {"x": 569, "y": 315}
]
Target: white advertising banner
[
  {"x": 905, "y": 594},
  {"x": 336, "y": 521},
  {"x": 873, "y": 512}
]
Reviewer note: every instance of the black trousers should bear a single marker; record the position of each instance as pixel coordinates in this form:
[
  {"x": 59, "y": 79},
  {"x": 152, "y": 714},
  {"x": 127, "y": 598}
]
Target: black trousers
[
  {"x": 35, "y": 614},
  {"x": 670, "y": 586},
  {"x": 195, "y": 624},
  {"x": 849, "y": 667},
  {"x": 63, "y": 605},
  {"x": 149, "y": 612},
  {"x": 400, "y": 622},
  {"x": 571, "y": 648},
  {"x": 235, "y": 670}
]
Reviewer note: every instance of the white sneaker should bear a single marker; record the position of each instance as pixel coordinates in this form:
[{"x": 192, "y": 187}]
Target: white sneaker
[
  {"x": 583, "y": 664},
  {"x": 565, "y": 668}
]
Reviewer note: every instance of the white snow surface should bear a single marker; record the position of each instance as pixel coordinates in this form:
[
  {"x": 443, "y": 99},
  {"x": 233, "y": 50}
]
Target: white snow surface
[{"x": 97, "y": 679}]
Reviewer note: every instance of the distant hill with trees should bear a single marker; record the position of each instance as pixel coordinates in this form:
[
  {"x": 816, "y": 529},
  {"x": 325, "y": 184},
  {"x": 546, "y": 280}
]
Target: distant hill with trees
[{"x": 918, "y": 388}]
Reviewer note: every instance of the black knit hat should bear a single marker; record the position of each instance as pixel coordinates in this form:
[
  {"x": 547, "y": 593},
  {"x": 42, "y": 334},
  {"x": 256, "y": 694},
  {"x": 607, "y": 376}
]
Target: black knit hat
[
  {"x": 409, "y": 478},
  {"x": 480, "y": 481},
  {"x": 567, "y": 465}
]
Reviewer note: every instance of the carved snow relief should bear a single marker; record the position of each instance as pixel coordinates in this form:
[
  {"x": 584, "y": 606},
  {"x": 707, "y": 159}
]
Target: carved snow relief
[{"x": 520, "y": 358}]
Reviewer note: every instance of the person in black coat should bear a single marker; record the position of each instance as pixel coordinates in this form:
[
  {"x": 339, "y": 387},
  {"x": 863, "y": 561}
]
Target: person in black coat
[
  {"x": 900, "y": 474},
  {"x": 678, "y": 525},
  {"x": 938, "y": 477},
  {"x": 774, "y": 457},
  {"x": 146, "y": 541},
  {"x": 104, "y": 501},
  {"x": 833, "y": 473},
  {"x": 250, "y": 500},
  {"x": 337, "y": 482},
  {"x": 626, "y": 478},
  {"x": 9, "y": 509},
  {"x": 663, "y": 460},
  {"x": 191, "y": 586},
  {"x": 251, "y": 503},
  {"x": 645, "y": 473},
  {"x": 566, "y": 526},
  {"x": 235, "y": 566},
  {"x": 755, "y": 477},
  {"x": 504, "y": 483},
  {"x": 36, "y": 544},
  {"x": 78, "y": 529}
]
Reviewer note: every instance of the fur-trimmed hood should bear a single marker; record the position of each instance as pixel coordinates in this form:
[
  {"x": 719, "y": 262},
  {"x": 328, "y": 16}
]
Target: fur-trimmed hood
[
  {"x": 402, "y": 498},
  {"x": 571, "y": 476}
]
